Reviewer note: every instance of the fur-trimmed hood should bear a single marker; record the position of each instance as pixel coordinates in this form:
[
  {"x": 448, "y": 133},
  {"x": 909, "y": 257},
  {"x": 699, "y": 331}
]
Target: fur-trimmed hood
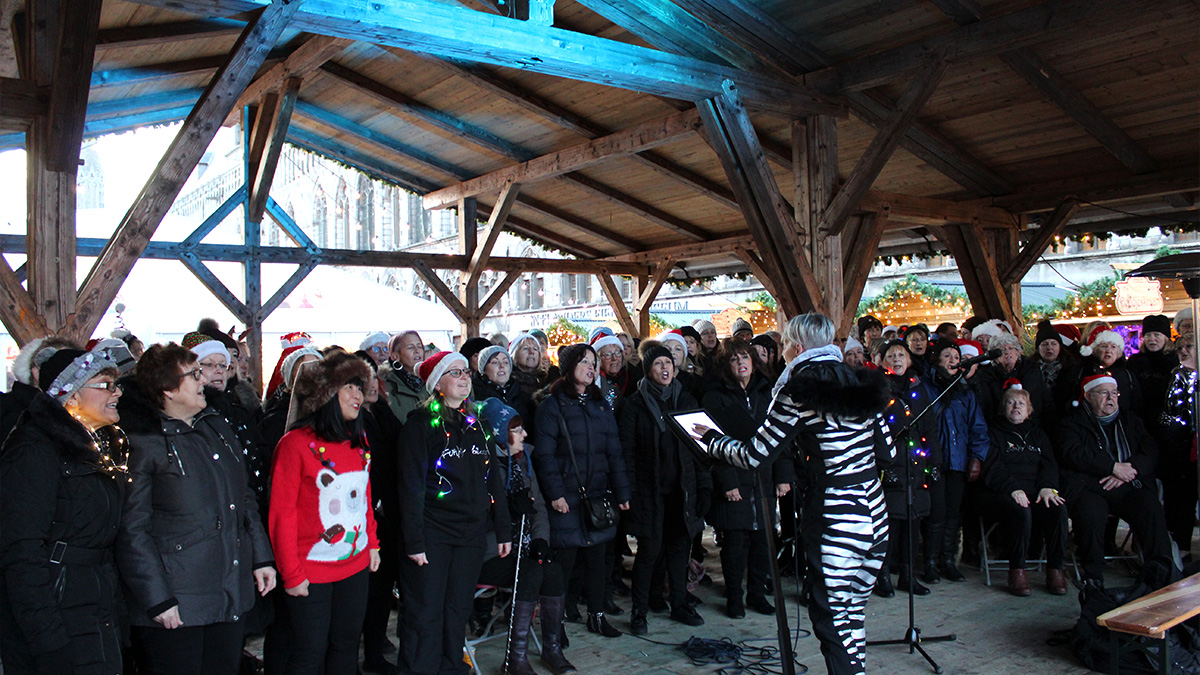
[
  {"x": 318, "y": 383},
  {"x": 832, "y": 387}
]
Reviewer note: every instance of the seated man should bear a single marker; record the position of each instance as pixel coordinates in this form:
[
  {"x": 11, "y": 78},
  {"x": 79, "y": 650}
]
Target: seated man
[{"x": 1107, "y": 460}]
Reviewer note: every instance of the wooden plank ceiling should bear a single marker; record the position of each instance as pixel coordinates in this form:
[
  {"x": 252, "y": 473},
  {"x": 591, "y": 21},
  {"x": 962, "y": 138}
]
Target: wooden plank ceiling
[{"x": 1125, "y": 129}]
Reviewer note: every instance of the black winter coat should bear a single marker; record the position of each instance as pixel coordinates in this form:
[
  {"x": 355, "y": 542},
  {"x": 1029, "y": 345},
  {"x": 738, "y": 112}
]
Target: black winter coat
[
  {"x": 191, "y": 534},
  {"x": 511, "y": 394},
  {"x": 594, "y": 437},
  {"x": 1083, "y": 457},
  {"x": 54, "y": 487},
  {"x": 1153, "y": 371},
  {"x": 646, "y": 450},
  {"x": 989, "y": 388},
  {"x": 740, "y": 412},
  {"x": 1021, "y": 457},
  {"x": 13, "y": 403},
  {"x": 911, "y": 396},
  {"x": 256, "y": 454}
]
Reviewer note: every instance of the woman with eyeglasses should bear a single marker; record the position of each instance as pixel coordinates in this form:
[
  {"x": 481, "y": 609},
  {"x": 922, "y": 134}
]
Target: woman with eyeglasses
[
  {"x": 322, "y": 525},
  {"x": 61, "y": 476},
  {"x": 448, "y": 490},
  {"x": 191, "y": 548},
  {"x": 493, "y": 379}
]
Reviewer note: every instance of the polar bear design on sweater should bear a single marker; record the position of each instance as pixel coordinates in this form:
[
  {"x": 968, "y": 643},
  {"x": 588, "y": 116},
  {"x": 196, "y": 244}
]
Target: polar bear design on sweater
[{"x": 343, "y": 507}]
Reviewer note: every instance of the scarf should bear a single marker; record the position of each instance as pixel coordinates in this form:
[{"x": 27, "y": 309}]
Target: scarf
[
  {"x": 654, "y": 392},
  {"x": 1112, "y": 432},
  {"x": 827, "y": 353},
  {"x": 410, "y": 380},
  {"x": 1051, "y": 370}
]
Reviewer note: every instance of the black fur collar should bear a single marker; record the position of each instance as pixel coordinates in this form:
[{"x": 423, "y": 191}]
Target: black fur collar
[
  {"x": 832, "y": 387},
  {"x": 70, "y": 438}
]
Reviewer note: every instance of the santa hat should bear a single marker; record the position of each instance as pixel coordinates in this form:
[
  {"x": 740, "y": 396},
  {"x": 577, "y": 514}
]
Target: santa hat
[
  {"x": 599, "y": 330},
  {"x": 1100, "y": 334},
  {"x": 1013, "y": 383},
  {"x": 673, "y": 335},
  {"x": 969, "y": 348},
  {"x": 432, "y": 368},
  {"x": 1069, "y": 333},
  {"x": 601, "y": 341},
  {"x": 889, "y": 328},
  {"x": 1092, "y": 381},
  {"x": 852, "y": 344},
  {"x": 378, "y": 337},
  {"x": 990, "y": 327},
  {"x": 203, "y": 346},
  {"x": 296, "y": 339}
]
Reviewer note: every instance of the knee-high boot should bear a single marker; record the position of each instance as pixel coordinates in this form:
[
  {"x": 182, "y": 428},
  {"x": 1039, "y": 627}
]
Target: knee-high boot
[
  {"x": 517, "y": 662},
  {"x": 552, "y": 618},
  {"x": 932, "y": 550}
]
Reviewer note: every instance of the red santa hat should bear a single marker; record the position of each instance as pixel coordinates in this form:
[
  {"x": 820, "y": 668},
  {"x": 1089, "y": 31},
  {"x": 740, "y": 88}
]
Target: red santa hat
[
  {"x": 969, "y": 348},
  {"x": 601, "y": 341},
  {"x": 297, "y": 339},
  {"x": 676, "y": 335},
  {"x": 1013, "y": 383},
  {"x": 1069, "y": 333},
  {"x": 1100, "y": 334},
  {"x": 432, "y": 368},
  {"x": 1092, "y": 381}
]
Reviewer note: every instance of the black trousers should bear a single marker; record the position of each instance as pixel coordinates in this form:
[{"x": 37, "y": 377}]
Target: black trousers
[
  {"x": 940, "y": 528},
  {"x": 675, "y": 546},
  {"x": 1179, "y": 501},
  {"x": 379, "y": 602},
  {"x": 437, "y": 603},
  {"x": 215, "y": 649},
  {"x": 1018, "y": 524},
  {"x": 744, "y": 556},
  {"x": 1138, "y": 506},
  {"x": 325, "y": 626},
  {"x": 592, "y": 579}
]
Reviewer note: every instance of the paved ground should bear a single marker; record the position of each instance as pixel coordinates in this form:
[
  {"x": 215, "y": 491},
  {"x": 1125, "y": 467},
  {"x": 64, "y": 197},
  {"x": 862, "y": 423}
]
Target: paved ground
[{"x": 997, "y": 633}]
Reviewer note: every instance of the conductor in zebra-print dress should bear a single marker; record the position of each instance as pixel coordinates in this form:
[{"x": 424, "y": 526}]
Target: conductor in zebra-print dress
[{"x": 828, "y": 415}]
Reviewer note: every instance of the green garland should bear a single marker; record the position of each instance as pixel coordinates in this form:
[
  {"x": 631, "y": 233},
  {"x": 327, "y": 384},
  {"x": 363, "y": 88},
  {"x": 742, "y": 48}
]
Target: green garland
[
  {"x": 765, "y": 299},
  {"x": 1075, "y": 305},
  {"x": 568, "y": 326},
  {"x": 909, "y": 286}
]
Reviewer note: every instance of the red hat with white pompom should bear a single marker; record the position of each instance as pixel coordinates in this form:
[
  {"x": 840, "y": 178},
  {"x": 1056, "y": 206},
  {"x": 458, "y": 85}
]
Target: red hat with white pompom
[{"x": 1100, "y": 334}]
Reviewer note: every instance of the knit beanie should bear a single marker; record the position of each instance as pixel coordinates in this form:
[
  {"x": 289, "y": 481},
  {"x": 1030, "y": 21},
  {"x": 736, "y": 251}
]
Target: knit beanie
[
  {"x": 688, "y": 331},
  {"x": 651, "y": 351},
  {"x": 1156, "y": 323},
  {"x": 741, "y": 325},
  {"x": 117, "y": 351},
  {"x": 1046, "y": 332},
  {"x": 473, "y": 346},
  {"x": 320, "y": 382},
  {"x": 432, "y": 368},
  {"x": 487, "y": 354},
  {"x": 1181, "y": 316},
  {"x": 288, "y": 369},
  {"x": 497, "y": 418},
  {"x": 378, "y": 337},
  {"x": 203, "y": 346},
  {"x": 702, "y": 325},
  {"x": 69, "y": 369},
  {"x": 515, "y": 343}
]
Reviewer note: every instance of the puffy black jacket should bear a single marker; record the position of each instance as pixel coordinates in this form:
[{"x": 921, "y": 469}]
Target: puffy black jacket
[
  {"x": 740, "y": 412},
  {"x": 511, "y": 394},
  {"x": 191, "y": 534},
  {"x": 54, "y": 487},
  {"x": 919, "y": 445},
  {"x": 1153, "y": 371},
  {"x": 1083, "y": 457},
  {"x": 13, "y": 403},
  {"x": 255, "y": 452},
  {"x": 647, "y": 449},
  {"x": 593, "y": 435},
  {"x": 989, "y": 388}
]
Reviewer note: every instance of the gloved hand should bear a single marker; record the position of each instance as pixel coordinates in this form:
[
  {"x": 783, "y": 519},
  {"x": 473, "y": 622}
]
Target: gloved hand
[{"x": 520, "y": 504}]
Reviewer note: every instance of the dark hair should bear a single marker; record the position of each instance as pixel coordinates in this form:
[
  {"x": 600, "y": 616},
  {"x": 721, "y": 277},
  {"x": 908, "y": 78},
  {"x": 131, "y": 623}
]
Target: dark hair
[
  {"x": 946, "y": 325},
  {"x": 568, "y": 358},
  {"x": 726, "y": 351},
  {"x": 329, "y": 425},
  {"x": 366, "y": 358},
  {"x": 157, "y": 372}
]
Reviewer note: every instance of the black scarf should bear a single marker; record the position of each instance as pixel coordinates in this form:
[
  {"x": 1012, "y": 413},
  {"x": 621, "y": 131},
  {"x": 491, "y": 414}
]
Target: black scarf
[
  {"x": 654, "y": 392},
  {"x": 411, "y": 381}
]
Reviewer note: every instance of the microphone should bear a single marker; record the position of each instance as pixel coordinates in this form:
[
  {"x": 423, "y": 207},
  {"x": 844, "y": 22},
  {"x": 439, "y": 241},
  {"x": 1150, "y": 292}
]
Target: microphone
[{"x": 986, "y": 356}]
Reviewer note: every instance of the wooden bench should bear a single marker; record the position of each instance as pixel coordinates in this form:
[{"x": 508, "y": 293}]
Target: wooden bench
[{"x": 1152, "y": 615}]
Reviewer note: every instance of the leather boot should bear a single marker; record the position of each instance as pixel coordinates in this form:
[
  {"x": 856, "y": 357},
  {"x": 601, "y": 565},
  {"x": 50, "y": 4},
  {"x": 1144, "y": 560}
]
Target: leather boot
[
  {"x": 902, "y": 583},
  {"x": 932, "y": 551},
  {"x": 950, "y": 570},
  {"x": 552, "y": 616},
  {"x": 1056, "y": 582},
  {"x": 883, "y": 585},
  {"x": 1018, "y": 583},
  {"x": 596, "y": 623},
  {"x": 517, "y": 661}
]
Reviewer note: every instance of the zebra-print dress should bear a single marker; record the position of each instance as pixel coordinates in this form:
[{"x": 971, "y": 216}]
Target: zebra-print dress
[{"x": 845, "y": 502}]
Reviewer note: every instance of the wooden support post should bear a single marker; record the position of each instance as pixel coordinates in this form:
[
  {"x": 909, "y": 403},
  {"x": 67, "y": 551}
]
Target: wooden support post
[
  {"x": 767, "y": 212},
  {"x": 978, "y": 270},
  {"x": 859, "y": 258},
  {"x": 148, "y": 209},
  {"x": 613, "y": 295},
  {"x": 61, "y": 42},
  {"x": 814, "y": 171},
  {"x": 647, "y": 290},
  {"x": 17, "y": 310},
  {"x": 1015, "y": 271},
  {"x": 755, "y": 264},
  {"x": 468, "y": 233},
  {"x": 883, "y": 145},
  {"x": 495, "y": 225},
  {"x": 1003, "y": 245},
  {"x": 260, "y": 188},
  {"x": 641, "y": 319}
]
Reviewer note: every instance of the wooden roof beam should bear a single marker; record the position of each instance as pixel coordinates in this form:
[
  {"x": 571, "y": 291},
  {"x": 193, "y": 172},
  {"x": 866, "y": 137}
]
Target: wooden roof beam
[
  {"x": 724, "y": 246},
  {"x": 629, "y": 141},
  {"x": 265, "y": 168},
  {"x": 775, "y": 43},
  {"x": 1040, "y": 241},
  {"x": 148, "y": 209},
  {"x": 1042, "y": 22},
  {"x": 880, "y": 150},
  {"x": 1098, "y": 189},
  {"x": 491, "y": 232},
  {"x": 150, "y": 34},
  {"x": 21, "y": 101},
  {"x": 905, "y": 210},
  {"x": 312, "y": 54},
  {"x": 1060, "y": 92},
  {"x": 446, "y": 31}
]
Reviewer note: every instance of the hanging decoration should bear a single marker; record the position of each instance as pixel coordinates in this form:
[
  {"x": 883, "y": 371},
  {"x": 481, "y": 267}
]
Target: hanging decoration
[
  {"x": 909, "y": 300},
  {"x": 564, "y": 332}
]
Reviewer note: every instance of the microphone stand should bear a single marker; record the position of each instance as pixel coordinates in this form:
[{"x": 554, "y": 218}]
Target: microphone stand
[
  {"x": 912, "y": 636},
  {"x": 783, "y": 632}
]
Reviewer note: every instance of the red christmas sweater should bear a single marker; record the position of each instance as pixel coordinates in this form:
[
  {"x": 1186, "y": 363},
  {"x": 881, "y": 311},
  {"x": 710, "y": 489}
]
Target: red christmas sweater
[{"x": 321, "y": 523}]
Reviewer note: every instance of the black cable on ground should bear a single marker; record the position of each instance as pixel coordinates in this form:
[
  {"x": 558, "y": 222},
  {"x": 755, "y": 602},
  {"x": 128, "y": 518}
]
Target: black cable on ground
[{"x": 734, "y": 658}]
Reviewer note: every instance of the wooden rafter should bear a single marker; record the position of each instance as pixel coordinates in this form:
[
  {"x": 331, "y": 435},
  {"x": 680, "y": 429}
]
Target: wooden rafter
[
  {"x": 724, "y": 246},
  {"x": 312, "y": 54},
  {"x": 139, "y": 224},
  {"x": 285, "y": 289},
  {"x": 265, "y": 173},
  {"x": 873, "y": 159},
  {"x": 215, "y": 286},
  {"x": 491, "y": 232},
  {"x": 165, "y": 33},
  {"x": 72, "y": 71},
  {"x": 632, "y": 140},
  {"x": 616, "y": 302},
  {"x": 908, "y": 210},
  {"x": 1037, "y": 245},
  {"x": 977, "y": 268},
  {"x": 20, "y": 102},
  {"x": 860, "y": 258},
  {"x": 17, "y": 310},
  {"x": 458, "y": 33},
  {"x": 441, "y": 290},
  {"x": 496, "y": 294}
]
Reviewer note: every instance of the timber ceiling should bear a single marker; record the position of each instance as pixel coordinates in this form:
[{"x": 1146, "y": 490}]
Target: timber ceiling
[{"x": 1115, "y": 120}]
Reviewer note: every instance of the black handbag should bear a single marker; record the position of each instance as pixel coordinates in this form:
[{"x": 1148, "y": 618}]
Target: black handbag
[{"x": 598, "y": 510}]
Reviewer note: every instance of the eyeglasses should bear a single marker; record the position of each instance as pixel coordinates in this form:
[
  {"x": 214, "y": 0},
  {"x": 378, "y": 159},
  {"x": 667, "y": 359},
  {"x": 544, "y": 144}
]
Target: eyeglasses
[
  {"x": 378, "y": 349},
  {"x": 612, "y": 356},
  {"x": 1109, "y": 394},
  {"x": 214, "y": 368},
  {"x": 196, "y": 374},
  {"x": 457, "y": 373},
  {"x": 111, "y": 387}
]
